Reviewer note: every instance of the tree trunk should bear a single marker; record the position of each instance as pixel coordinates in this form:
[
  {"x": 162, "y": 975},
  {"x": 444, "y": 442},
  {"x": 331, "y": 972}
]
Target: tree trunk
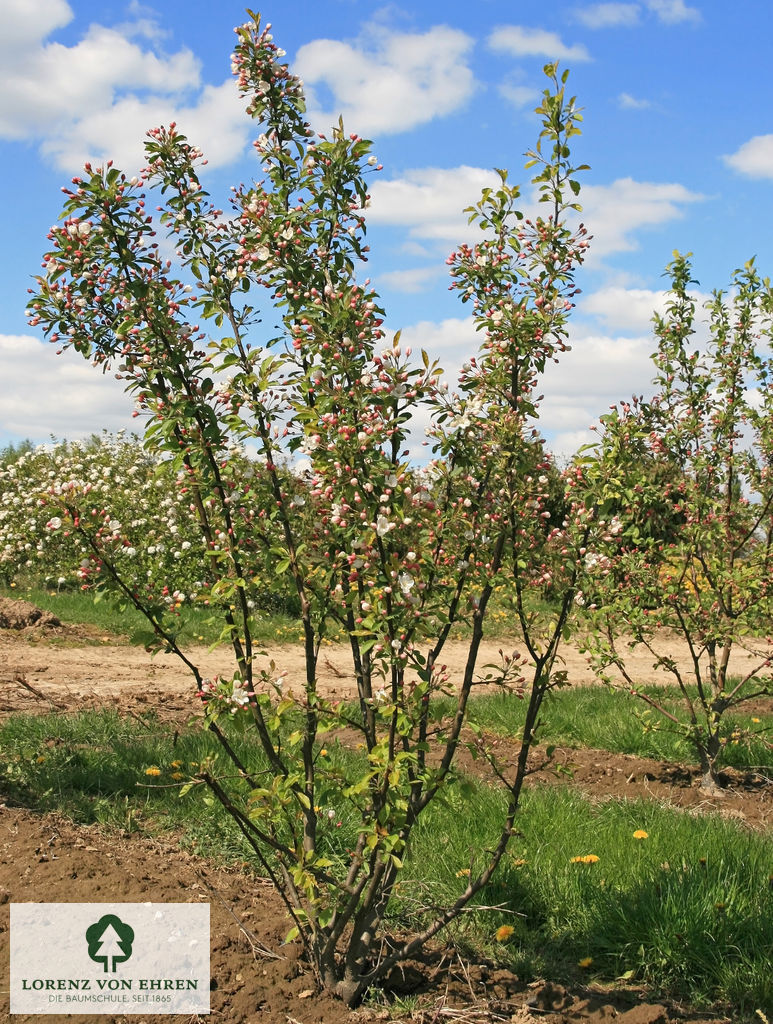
[{"x": 709, "y": 752}]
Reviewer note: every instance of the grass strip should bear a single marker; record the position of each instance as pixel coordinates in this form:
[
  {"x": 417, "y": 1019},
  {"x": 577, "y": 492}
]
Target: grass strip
[{"x": 618, "y": 890}]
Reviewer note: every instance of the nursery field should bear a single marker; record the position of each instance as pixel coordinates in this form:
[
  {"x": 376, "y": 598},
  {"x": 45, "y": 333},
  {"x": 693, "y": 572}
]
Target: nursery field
[
  {"x": 584, "y": 923},
  {"x": 440, "y": 728}
]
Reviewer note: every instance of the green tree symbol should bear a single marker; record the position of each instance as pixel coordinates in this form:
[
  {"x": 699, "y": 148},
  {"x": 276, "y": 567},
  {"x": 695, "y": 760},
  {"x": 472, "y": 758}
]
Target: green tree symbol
[{"x": 110, "y": 941}]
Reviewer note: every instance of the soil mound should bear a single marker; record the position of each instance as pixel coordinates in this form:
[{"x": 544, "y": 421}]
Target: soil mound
[{"x": 22, "y": 615}]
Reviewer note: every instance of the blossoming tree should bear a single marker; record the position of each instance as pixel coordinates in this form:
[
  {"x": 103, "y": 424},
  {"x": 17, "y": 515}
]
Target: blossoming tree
[
  {"x": 389, "y": 554},
  {"x": 685, "y": 482}
]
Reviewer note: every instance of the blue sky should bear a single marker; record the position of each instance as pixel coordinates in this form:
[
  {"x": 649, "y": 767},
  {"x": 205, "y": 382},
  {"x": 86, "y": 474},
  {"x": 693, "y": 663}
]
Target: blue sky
[{"x": 678, "y": 132}]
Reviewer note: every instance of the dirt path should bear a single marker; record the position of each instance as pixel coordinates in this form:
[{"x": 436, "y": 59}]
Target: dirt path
[{"x": 54, "y": 662}]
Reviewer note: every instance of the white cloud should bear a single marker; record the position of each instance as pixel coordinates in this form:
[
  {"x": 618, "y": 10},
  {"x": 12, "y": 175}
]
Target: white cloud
[
  {"x": 632, "y": 309},
  {"x": 389, "y": 82},
  {"x": 21, "y": 28},
  {"x": 429, "y": 201},
  {"x": 45, "y": 84},
  {"x": 519, "y": 41},
  {"x": 43, "y": 394},
  {"x": 601, "y": 369},
  {"x": 609, "y": 15},
  {"x": 216, "y": 123},
  {"x": 97, "y": 97},
  {"x": 627, "y": 102},
  {"x": 613, "y": 212},
  {"x": 624, "y": 309},
  {"x": 754, "y": 158},
  {"x": 452, "y": 342},
  {"x": 409, "y": 281},
  {"x": 671, "y": 12}
]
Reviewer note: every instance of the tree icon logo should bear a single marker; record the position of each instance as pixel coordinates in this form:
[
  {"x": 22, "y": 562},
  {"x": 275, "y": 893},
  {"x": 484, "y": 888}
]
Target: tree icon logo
[{"x": 110, "y": 941}]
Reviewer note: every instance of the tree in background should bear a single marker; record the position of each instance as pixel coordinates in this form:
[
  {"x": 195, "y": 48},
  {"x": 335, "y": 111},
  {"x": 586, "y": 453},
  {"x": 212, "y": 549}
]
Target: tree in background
[{"x": 697, "y": 462}]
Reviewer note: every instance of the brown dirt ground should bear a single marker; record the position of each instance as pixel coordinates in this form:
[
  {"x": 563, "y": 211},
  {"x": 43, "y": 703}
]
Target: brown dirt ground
[{"x": 253, "y": 976}]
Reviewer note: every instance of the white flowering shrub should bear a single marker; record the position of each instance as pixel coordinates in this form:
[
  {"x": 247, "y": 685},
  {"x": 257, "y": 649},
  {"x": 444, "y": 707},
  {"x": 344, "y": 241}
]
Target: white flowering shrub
[
  {"x": 82, "y": 514},
  {"x": 389, "y": 554}
]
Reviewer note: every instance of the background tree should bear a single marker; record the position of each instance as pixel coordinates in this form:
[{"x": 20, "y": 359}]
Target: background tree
[{"x": 703, "y": 447}]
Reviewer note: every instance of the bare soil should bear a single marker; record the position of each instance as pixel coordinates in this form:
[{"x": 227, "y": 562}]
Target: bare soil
[{"x": 255, "y": 977}]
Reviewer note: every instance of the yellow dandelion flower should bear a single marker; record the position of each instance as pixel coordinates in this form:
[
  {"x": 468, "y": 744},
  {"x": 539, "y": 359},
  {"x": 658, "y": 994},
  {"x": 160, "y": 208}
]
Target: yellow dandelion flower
[
  {"x": 176, "y": 764},
  {"x": 153, "y": 770},
  {"x": 518, "y": 862},
  {"x": 589, "y": 858},
  {"x": 463, "y": 873},
  {"x": 41, "y": 759},
  {"x": 504, "y": 932},
  {"x": 323, "y": 752},
  {"x": 177, "y": 776},
  {"x": 585, "y": 962},
  {"x": 641, "y": 834},
  {"x": 756, "y": 721}
]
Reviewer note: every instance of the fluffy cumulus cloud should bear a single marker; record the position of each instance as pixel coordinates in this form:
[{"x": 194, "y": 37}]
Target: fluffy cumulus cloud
[
  {"x": 43, "y": 394},
  {"x": 624, "y": 309},
  {"x": 429, "y": 201},
  {"x": 632, "y": 309},
  {"x": 519, "y": 41},
  {"x": 387, "y": 81},
  {"x": 452, "y": 341},
  {"x": 215, "y": 122},
  {"x": 614, "y": 212},
  {"x": 22, "y": 30},
  {"x": 602, "y": 368},
  {"x": 83, "y": 101},
  {"x": 754, "y": 158}
]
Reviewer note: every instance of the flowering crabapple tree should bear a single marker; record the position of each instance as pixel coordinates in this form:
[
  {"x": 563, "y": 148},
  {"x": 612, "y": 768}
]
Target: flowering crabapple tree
[
  {"x": 388, "y": 554},
  {"x": 703, "y": 447}
]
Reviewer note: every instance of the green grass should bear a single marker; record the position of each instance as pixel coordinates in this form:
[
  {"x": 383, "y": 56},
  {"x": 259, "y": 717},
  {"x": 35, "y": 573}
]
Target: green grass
[
  {"x": 93, "y": 766},
  {"x": 606, "y": 719},
  {"x": 197, "y": 625},
  {"x": 204, "y": 625},
  {"x": 688, "y": 911}
]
